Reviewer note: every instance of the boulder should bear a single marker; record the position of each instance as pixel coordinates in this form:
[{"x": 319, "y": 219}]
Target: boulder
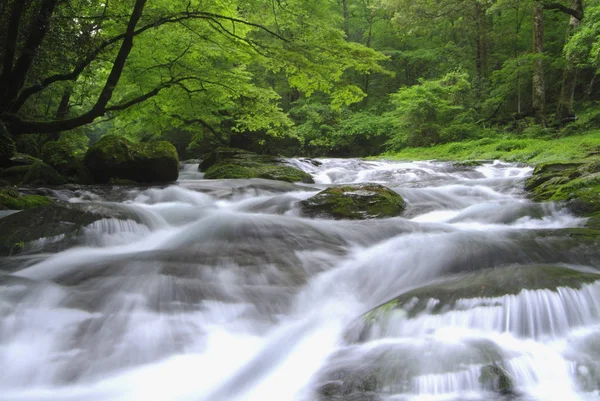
[
  {"x": 14, "y": 175},
  {"x": 116, "y": 157},
  {"x": 489, "y": 283},
  {"x": 60, "y": 222},
  {"x": 354, "y": 202},
  {"x": 234, "y": 156},
  {"x": 224, "y": 163},
  {"x": 576, "y": 184},
  {"x": 41, "y": 173}
]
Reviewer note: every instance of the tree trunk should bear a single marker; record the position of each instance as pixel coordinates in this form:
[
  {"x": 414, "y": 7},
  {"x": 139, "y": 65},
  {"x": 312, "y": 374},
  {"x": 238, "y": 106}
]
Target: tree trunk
[
  {"x": 565, "y": 111},
  {"x": 14, "y": 75},
  {"x": 17, "y": 125},
  {"x": 346, "y": 19},
  {"x": 538, "y": 102},
  {"x": 481, "y": 45}
]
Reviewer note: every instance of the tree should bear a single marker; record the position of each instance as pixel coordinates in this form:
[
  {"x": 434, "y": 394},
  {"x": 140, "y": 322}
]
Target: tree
[
  {"x": 111, "y": 75},
  {"x": 538, "y": 102}
]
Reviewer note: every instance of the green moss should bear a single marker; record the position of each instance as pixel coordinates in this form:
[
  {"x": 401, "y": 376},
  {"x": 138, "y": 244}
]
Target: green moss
[
  {"x": 249, "y": 168},
  {"x": 361, "y": 201},
  {"x": 234, "y": 156},
  {"x": 116, "y": 157},
  {"x": 11, "y": 199},
  {"x": 42, "y": 174},
  {"x": 510, "y": 148}
]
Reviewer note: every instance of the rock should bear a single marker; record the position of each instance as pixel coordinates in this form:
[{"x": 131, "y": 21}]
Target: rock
[
  {"x": 22, "y": 159},
  {"x": 116, "y": 157},
  {"x": 359, "y": 201},
  {"x": 7, "y": 146},
  {"x": 60, "y": 156},
  {"x": 225, "y": 163},
  {"x": 234, "y": 156},
  {"x": 576, "y": 184},
  {"x": 14, "y": 175},
  {"x": 42, "y": 174},
  {"x": 495, "y": 378},
  {"x": 13, "y": 200},
  {"x": 60, "y": 220},
  {"x": 489, "y": 283}
]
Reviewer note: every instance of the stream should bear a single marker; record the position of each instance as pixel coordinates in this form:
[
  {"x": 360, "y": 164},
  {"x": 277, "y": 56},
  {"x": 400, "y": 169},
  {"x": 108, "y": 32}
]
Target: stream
[{"x": 221, "y": 290}]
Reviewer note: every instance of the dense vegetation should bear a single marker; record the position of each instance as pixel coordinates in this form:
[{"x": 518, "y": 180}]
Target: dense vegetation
[{"x": 312, "y": 77}]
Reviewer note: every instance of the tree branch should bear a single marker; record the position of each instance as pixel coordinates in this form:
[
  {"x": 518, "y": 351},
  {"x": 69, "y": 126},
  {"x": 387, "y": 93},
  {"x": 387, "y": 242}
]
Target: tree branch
[
  {"x": 84, "y": 63},
  {"x": 559, "y": 7}
]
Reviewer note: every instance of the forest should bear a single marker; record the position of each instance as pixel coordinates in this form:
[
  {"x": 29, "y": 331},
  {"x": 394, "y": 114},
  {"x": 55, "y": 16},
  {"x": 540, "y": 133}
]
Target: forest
[
  {"x": 339, "y": 78},
  {"x": 299, "y": 200}
]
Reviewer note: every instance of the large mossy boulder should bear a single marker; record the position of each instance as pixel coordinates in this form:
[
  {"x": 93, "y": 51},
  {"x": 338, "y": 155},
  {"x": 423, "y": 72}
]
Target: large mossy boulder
[
  {"x": 225, "y": 163},
  {"x": 13, "y": 200},
  {"x": 41, "y": 173},
  {"x": 355, "y": 202},
  {"x": 60, "y": 224},
  {"x": 577, "y": 184},
  {"x": 116, "y": 157}
]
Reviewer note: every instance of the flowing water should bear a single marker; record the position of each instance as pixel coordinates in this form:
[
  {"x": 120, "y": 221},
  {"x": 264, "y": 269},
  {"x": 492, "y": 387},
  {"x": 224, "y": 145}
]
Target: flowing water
[{"x": 221, "y": 290}]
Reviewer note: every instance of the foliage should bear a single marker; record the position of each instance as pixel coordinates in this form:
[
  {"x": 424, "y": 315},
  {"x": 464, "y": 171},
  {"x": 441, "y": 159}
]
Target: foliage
[{"x": 435, "y": 111}]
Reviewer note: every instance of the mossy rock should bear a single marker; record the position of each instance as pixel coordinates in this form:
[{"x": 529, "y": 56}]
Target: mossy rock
[
  {"x": 51, "y": 221},
  {"x": 577, "y": 184},
  {"x": 269, "y": 172},
  {"x": 22, "y": 159},
  {"x": 354, "y": 202},
  {"x": 496, "y": 378},
  {"x": 116, "y": 157},
  {"x": 490, "y": 283},
  {"x": 234, "y": 156},
  {"x": 42, "y": 174},
  {"x": 7, "y": 146},
  {"x": 60, "y": 156},
  {"x": 14, "y": 175},
  {"x": 13, "y": 200},
  {"x": 225, "y": 163}
]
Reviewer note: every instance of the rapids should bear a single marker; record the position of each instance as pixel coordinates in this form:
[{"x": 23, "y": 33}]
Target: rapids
[{"x": 221, "y": 290}]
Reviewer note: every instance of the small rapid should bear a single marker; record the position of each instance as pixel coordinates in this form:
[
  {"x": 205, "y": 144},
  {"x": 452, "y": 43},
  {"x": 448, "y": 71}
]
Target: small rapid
[{"x": 211, "y": 290}]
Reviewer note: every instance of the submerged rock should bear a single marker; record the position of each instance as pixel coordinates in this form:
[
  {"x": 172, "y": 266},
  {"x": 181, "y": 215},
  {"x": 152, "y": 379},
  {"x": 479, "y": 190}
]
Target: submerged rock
[
  {"x": 490, "y": 283},
  {"x": 116, "y": 157},
  {"x": 225, "y": 163},
  {"x": 495, "y": 378},
  {"x": 357, "y": 201},
  {"x": 60, "y": 222}
]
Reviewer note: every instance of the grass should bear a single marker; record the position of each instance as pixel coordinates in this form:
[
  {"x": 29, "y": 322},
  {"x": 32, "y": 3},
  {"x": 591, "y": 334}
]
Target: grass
[{"x": 509, "y": 148}]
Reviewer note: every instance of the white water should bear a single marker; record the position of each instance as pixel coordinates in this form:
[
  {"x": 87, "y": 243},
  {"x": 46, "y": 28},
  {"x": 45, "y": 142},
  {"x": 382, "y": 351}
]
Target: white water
[{"x": 224, "y": 292}]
